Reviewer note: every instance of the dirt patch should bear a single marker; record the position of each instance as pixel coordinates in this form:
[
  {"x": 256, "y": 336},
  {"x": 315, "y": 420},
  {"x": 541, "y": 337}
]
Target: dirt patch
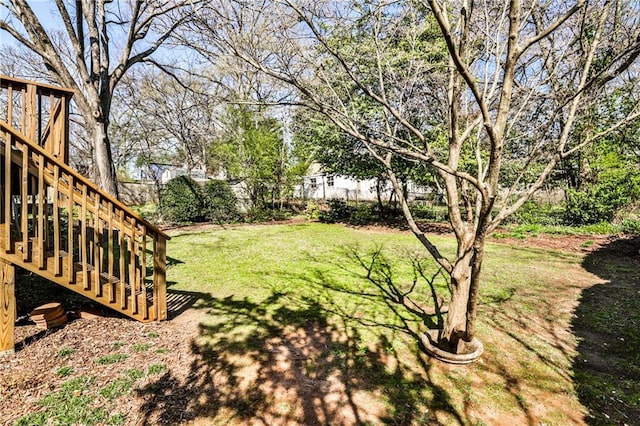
[{"x": 567, "y": 243}]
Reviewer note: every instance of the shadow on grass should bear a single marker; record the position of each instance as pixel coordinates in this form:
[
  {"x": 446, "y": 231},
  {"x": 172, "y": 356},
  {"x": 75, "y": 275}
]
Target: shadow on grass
[
  {"x": 338, "y": 344},
  {"x": 274, "y": 363},
  {"x": 607, "y": 324},
  {"x": 302, "y": 357},
  {"x": 380, "y": 285}
]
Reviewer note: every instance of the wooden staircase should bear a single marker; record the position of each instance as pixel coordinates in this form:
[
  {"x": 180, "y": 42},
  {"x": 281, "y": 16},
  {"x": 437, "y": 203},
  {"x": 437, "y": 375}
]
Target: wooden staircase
[{"x": 56, "y": 223}]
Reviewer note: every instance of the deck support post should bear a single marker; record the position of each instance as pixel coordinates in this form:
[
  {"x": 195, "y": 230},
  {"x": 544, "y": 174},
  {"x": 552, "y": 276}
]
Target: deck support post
[
  {"x": 160, "y": 273},
  {"x": 7, "y": 308}
]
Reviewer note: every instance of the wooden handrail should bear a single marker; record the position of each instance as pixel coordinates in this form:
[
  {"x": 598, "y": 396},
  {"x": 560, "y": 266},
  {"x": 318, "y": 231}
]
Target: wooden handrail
[
  {"x": 58, "y": 224},
  {"x": 67, "y": 230},
  {"x": 66, "y": 168},
  {"x": 46, "y": 88}
]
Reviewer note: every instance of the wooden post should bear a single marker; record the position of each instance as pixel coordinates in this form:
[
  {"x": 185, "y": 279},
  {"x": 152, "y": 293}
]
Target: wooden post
[
  {"x": 143, "y": 273},
  {"x": 7, "y": 192},
  {"x": 31, "y": 103},
  {"x": 24, "y": 203},
  {"x": 65, "y": 128},
  {"x": 7, "y": 307},
  {"x": 160, "y": 277},
  {"x": 10, "y": 106}
]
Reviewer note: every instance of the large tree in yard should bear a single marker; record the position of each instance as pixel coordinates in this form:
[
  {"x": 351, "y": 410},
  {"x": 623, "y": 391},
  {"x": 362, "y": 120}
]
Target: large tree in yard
[
  {"x": 93, "y": 44},
  {"x": 519, "y": 80}
]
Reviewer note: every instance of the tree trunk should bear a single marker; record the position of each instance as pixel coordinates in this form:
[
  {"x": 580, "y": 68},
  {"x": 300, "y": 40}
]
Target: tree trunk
[
  {"x": 455, "y": 325},
  {"x": 460, "y": 324},
  {"x": 472, "y": 302},
  {"x": 106, "y": 172},
  {"x": 379, "y": 197}
]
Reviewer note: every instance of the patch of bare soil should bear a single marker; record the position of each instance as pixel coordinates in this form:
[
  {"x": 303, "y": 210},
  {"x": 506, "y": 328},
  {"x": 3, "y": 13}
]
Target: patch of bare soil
[
  {"x": 567, "y": 243},
  {"x": 265, "y": 382}
]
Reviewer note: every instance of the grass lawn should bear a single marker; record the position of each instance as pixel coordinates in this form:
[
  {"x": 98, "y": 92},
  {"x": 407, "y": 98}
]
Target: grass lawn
[
  {"x": 330, "y": 314},
  {"x": 317, "y": 324}
]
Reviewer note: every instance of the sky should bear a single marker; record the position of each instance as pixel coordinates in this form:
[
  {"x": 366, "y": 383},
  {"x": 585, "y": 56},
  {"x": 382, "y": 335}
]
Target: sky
[
  {"x": 47, "y": 13},
  {"x": 45, "y": 9}
]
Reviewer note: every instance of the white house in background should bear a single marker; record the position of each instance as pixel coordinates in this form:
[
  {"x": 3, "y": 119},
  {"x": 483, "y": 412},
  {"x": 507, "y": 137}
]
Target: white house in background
[
  {"x": 317, "y": 185},
  {"x": 165, "y": 172},
  {"x": 320, "y": 186},
  {"x": 197, "y": 173}
]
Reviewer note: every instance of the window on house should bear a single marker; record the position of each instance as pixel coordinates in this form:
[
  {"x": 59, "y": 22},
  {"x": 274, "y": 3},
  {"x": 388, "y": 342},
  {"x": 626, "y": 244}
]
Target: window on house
[
  {"x": 314, "y": 183},
  {"x": 329, "y": 180}
]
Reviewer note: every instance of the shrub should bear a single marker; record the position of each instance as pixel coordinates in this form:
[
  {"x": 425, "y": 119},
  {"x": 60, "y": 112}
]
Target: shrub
[
  {"x": 338, "y": 212},
  {"x": 613, "y": 185},
  {"x": 432, "y": 213},
  {"x": 630, "y": 226},
  {"x": 181, "y": 200},
  {"x": 312, "y": 210},
  {"x": 535, "y": 213},
  {"x": 221, "y": 203},
  {"x": 597, "y": 204},
  {"x": 257, "y": 214},
  {"x": 262, "y": 213},
  {"x": 363, "y": 214}
]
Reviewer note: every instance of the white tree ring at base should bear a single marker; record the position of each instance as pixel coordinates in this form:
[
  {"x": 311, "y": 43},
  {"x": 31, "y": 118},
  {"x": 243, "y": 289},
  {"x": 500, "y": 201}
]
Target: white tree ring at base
[{"x": 430, "y": 342}]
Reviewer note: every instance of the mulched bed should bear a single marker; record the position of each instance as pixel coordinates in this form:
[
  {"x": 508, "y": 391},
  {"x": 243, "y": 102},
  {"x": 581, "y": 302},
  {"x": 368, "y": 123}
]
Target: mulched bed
[{"x": 92, "y": 332}]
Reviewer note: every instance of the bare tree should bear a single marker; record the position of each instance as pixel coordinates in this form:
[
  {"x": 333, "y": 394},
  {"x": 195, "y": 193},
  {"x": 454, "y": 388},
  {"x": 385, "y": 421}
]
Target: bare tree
[
  {"x": 521, "y": 79},
  {"x": 159, "y": 120},
  {"x": 184, "y": 113},
  {"x": 99, "y": 42}
]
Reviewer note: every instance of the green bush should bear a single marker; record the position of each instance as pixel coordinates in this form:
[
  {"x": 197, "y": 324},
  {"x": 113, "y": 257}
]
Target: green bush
[
  {"x": 181, "y": 201},
  {"x": 363, "y": 214},
  {"x": 535, "y": 213},
  {"x": 338, "y": 211},
  {"x": 630, "y": 226},
  {"x": 611, "y": 184},
  {"x": 598, "y": 203},
  {"x": 432, "y": 213},
  {"x": 221, "y": 203},
  {"x": 266, "y": 214},
  {"x": 312, "y": 210}
]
